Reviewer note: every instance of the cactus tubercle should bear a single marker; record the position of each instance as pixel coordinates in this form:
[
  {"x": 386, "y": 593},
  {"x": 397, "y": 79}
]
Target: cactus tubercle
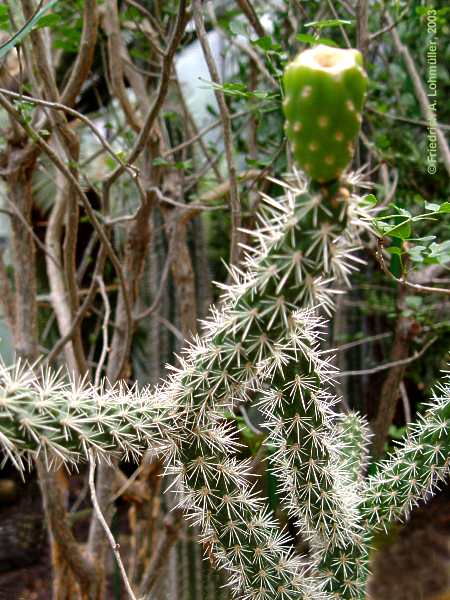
[{"x": 325, "y": 89}]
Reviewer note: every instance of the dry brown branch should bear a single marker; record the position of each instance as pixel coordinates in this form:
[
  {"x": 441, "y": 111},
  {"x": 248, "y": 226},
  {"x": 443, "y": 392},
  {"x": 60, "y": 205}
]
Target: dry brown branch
[
  {"x": 423, "y": 289},
  {"x": 74, "y": 113},
  {"x": 172, "y": 525},
  {"x": 110, "y": 18},
  {"x": 105, "y": 325},
  {"x": 85, "y": 55},
  {"x": 388, "y": 365},
  {"x": 114, "y": 545},
  {"x": 7, "y": 299},
  {"x": 421, "y": 94},
  {"x": 51, "y": 356},
  {"x": 160, "y": 95},
  {"x": 42, "y": 144},
  {"x": 55, "y": 274},
  {"x": 227, "y": 133},
  {"x": 249, "y": 11},
  {"x": 362, "y": 27},
  {"x": 80, "y": 564}
]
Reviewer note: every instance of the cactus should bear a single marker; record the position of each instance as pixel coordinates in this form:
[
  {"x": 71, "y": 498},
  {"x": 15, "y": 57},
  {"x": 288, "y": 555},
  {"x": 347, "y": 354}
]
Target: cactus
[
  {"x": 65, "y": 420},
  {"x": 214, "y": 376},
  {"x": 415, "y": 468},
  {"x": 325, "y": 90},
  {"x": 261, "y": 344}
]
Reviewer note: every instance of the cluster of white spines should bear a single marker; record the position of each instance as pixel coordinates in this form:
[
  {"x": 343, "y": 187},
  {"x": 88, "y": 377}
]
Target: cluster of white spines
[
  {"x": 259, "y": 339},
  {"x": 66, "y": 420},
  {"x": 216, "y": 489},
  {"x": 353, "y": 432},
  {"x": 415, "y": 468}
]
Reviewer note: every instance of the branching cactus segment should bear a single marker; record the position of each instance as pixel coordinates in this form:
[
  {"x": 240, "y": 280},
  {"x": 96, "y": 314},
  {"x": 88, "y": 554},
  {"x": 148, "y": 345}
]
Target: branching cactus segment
[
  {"x": 325, "y": 89},
  {"x": 354, "y": 434},
  {"x": 415, "y": 468},
  {"x": 63, "y": 420},
  {"x": 260, "y": 338}
]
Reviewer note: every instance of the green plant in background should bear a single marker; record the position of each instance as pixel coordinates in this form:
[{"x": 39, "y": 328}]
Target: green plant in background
[{"x": 260, "y": 345}]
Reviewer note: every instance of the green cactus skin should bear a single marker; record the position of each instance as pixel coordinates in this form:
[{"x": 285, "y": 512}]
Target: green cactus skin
[
  {"x": 354, "y": 433},
  {"x": 64, "y": 421},
  {"x": 415, "y": 468},
  {"x": 324, "y": 95},
  {"x": 298, "y": 242},
  {"x": 255, "y": 337}
]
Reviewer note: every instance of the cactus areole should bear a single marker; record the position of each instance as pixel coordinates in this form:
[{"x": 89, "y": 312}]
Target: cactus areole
[{"x": 325, "y": 89}]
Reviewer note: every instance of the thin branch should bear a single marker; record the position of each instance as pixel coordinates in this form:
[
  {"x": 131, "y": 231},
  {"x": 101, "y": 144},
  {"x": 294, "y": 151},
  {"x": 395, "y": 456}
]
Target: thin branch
[
  {"x": 396, "y": 363},
  {"x": 114, "y": 545},
  {"x": 81, "y": 311},
  {"x": 105, "y": 347},
  {"x": 423, "y": 289},
  {"x": 362, "y": 27},
  {"x": 408, "y": 120},
  {"x": 172, "y": 528},
  {"x": 202, "y": 132},
  {"x": 421, "y": 94},
  {"x": 85, "y": 54},
  {"x": 250, "y": 13},
  {"x": 366, "y": 340},
  {"x": 77, "y": 115},
  {"x": 80, "y": 564},
  {"x": 41, "y": 143},
  {"x": 116, "y": 72},
  {"x": 160, "y": 96},
  {"x": 227, "y": 132},
  {"x": 7, "y": 298},
  {"x": 405, "y": 402}
]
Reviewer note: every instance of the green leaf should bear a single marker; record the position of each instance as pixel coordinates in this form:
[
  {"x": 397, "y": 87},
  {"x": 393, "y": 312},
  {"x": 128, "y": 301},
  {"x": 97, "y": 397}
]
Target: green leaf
[
  {"x": 48, "y": 21},
  {"x": 328, "y": 23},
  {"x": 370, "y": 199},
  {"x": 395, "y": 250},
  {"x": 402, "y": 230},
  {"x": 443, "y": 208},
  {"x": 267, "y": 44},
  {"x": 25, "y": 30},
  {"x": 4, "y": 17},
  {"x": 306, "y": 38}
]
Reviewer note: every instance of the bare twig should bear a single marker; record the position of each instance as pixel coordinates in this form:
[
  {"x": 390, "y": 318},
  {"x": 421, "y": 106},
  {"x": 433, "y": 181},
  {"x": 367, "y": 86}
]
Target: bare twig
[
  {"x": 80, "y": 564},
  {"x": 388, "y": 365},
  {"x": 227, "y": 132},
  {"x": 114, "y": 545},
  {"x": 116, "y": 74},
  {"x": 421, "y": 94},
  {"x": 405, "y": 402},
  {"x": 160, "y": 96},
  {"x": 362, "y": 27},
  {"x": 85, "y": 54},
  {"x": 249, "y": 11},
  {"x": 74, "y": 113},
  {"x": 7, "y": 299},
  {"x": 366, "y": 340},
  {"x": 172, "y": 527},
  {"x": 423, "y": 289},
  {"x": 41, "y": 143},
  {"x": 105, "y": 347}
]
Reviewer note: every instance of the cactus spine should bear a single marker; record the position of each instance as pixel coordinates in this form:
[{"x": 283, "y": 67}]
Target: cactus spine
[{"x": 263, "y": 342}]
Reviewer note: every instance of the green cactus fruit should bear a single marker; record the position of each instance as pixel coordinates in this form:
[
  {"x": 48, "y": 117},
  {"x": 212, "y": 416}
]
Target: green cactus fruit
[{"x": 325, "y": 90}]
